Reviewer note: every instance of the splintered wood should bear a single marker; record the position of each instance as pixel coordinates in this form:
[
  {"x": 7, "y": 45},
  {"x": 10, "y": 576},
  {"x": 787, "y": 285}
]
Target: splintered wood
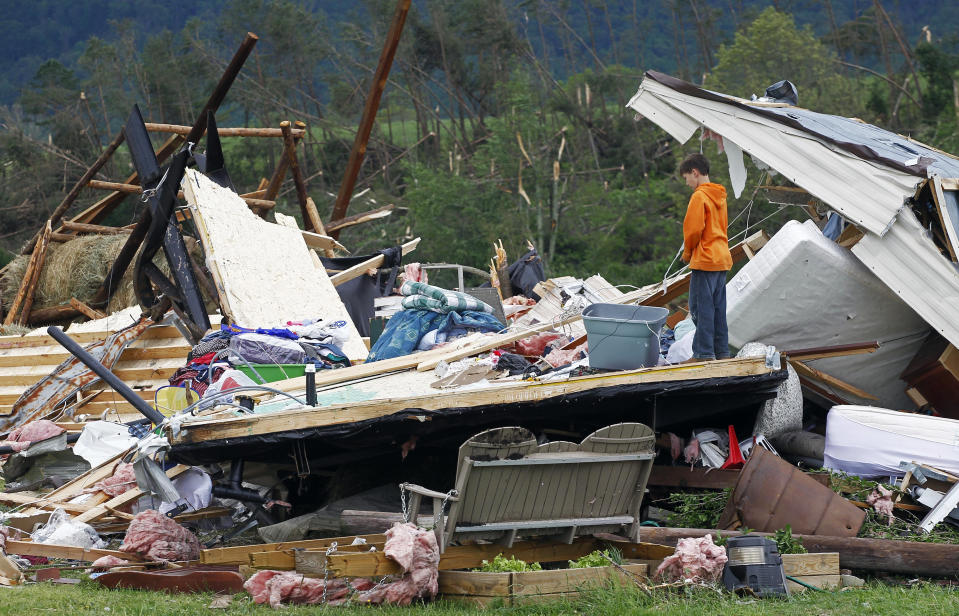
[{"x": 264, "y": 273}]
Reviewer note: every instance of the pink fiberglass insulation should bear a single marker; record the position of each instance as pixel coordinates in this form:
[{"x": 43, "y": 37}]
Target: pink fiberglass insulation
[
  {"x": 519, "y": 300},
  {"x": 122, "y": 480},
  {"x": 414, "y": 550},
  {"x": 561, "y": 357},
  {"x": 535, "y": 345},
  {"x": 105, "y": 562},
  {"x": 881, "y": 500},
  {"x": 157, "y": 537},
  {"x": 39, "y": 430},
  {"x": 696, "y": 559}
]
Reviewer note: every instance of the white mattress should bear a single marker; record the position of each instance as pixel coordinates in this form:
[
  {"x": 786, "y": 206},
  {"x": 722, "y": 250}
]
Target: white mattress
[
  {"x": 803, "y": 290},
  {"x": 871, "y": 442}
]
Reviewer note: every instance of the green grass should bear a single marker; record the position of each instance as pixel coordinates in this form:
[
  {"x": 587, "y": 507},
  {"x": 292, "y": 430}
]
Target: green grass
[{"x": 88, "y": 598}]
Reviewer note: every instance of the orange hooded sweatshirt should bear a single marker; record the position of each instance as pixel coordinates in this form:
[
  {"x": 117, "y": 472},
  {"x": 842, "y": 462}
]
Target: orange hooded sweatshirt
[{"x": 706, "y": 245}]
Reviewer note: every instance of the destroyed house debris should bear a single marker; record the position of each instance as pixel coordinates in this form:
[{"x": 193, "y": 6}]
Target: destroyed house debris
[{"x": 265, "y": 382}]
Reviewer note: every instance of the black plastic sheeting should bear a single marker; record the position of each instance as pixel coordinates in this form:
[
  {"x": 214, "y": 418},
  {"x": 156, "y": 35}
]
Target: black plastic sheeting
[
  {"x": 668, "y": 405},
  {"x": 865, "y": 141}
]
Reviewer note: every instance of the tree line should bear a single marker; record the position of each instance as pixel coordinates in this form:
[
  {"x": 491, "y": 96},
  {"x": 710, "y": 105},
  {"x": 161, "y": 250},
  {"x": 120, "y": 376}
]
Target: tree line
[{"x": 501, "y": 119}]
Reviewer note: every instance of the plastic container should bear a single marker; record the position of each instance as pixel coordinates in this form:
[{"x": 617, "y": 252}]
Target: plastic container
[
  {"x": 622, "y": 337},
  {"x": 273, "y": 372}
]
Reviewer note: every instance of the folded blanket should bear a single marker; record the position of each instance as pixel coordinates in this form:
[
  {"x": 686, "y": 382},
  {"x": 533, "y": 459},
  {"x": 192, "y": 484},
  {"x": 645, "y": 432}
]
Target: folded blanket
[{"x": 422, "y": 296}]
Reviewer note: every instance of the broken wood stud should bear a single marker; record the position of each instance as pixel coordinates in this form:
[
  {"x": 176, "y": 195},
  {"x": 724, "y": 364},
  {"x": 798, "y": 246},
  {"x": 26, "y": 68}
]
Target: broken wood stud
[
  {"x": 317, "y": 224},
  {"x": 136, "y": 189},
  {"x": 349, "y": 221},
  {"x": 24, "y": 296},
  {"x": 377, "y": 85},
  {"x": 86, "y": 310},
  {"x": 810, "y": 372},
  {"x": 177, "y": 129},
  {"x": 301, "y": 194},
  {"x": 79, "y": 227},
  {"x": 360, "y": 268}
]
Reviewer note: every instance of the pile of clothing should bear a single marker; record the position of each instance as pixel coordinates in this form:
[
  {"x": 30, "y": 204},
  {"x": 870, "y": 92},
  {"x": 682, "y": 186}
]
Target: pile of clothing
[
  {"x": 300, "y": 342},
  {"x": 432, "y": 316}
]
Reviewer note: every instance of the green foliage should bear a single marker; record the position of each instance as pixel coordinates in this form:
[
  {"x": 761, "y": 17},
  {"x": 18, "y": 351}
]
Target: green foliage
[
  {"x": 773, "y": 48},
  {"x": 598, "y": 558},
  {"x": 786, "y": 543},
  {"x": 697, "y": 509},
  {"x": 501, "y": 564}
]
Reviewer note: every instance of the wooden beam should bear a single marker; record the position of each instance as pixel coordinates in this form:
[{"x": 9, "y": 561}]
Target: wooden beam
[
  {"x": 686, "y": 477},
  {"x": 136, "y": 189},
  {"x": 811, "y": 373},
  {"x": 71, "y": 196},
  {"x": 79, "y": 227},
  {"x": 70, "y": 552},
  {"x": 126, "y": 498},
  {"x": 369, "y": 111},
  {"x": 298, "y": 181},
  {"x": 840, "y": 350},
  {"x": 910, "y": 558},
  {"x": 18, "y": 499},
  {"x": 356, "y": 219},
  {"x": 86, "y": 310},
  {"x": 53, "y": 313},
  {"x": 317, "y": 223},
  {"x": 24, "y": 296},
  {"x": 178, "y": 129},
  {"x": 240, "y": 555},
  {"x": 360, "y": 268}
]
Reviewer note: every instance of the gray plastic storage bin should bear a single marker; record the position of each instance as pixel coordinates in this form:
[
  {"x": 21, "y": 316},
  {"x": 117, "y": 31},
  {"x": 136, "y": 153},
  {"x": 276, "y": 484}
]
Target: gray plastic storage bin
[{"x": 623, "y": 337}]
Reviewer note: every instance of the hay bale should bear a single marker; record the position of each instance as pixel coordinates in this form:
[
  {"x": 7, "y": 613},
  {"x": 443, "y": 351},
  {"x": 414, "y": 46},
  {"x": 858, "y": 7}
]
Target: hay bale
[{"x": 76, "y": 269}]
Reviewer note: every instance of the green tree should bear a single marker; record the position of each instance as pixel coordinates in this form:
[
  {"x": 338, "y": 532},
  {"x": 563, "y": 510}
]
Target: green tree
[{"x": 772, "y": 48}]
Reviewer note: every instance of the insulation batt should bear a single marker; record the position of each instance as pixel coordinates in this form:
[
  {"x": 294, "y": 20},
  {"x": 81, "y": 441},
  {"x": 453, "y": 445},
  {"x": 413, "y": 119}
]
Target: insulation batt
[
  {"x": 881, "y": 500},
  {"x": 122, "y": 480},
  {"x": 106, "y": 562},
  {"x": 535, "y": 345},
  {"x": 560, "y": 357},
  {"x": 39, "y": 430},
  {"x": 414, "y": 550},
  {"x": 157, "y": 537},
  {"x": 696, "y": 559}
]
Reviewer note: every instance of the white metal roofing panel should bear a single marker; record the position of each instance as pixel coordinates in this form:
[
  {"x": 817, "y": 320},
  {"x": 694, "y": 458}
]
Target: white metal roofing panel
[
  {"x": 908, "y": 262},
  {"x": 864, "y": 192}
]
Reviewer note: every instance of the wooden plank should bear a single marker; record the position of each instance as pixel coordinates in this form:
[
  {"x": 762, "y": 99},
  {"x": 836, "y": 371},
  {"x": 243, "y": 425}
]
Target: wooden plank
[
  {"x": 514, "y": 392},
  {"x": 474, "y": 583},
  {"x": 821, "y": 563},
  {"x": 823, "y": 352},
  {"x": 825, "y": 582},
  {"x": 240, "y": 555},
  {"x": 812, "y": 373},
  {"x": 29, "y": 548},
  {"x": 360, "y": 268},
  {"x": 127, "y": 497},
  {"x": 19, "y": 499},
  {"x": 559, "y": 581}
]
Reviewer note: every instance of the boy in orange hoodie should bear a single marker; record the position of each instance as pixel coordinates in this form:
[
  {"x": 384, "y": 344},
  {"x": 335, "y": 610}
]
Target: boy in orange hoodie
[{"x": 706, "y": 249}]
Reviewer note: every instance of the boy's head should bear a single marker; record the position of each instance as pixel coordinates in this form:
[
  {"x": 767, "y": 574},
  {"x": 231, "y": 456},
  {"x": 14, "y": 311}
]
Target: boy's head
[{"x": 695, "y": 170}]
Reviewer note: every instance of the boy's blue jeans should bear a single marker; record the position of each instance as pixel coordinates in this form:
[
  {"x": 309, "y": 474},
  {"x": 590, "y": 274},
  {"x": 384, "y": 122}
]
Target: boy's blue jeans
[{"x": 707, "y": 305}]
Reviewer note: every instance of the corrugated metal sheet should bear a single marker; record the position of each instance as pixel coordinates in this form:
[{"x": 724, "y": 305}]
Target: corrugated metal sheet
[{"x": 815, "y": 151}]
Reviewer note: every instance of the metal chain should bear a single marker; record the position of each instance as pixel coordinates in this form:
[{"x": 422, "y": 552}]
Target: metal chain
[
  {"x": 326, "y": 570},
  {"x": 437, "y": 516}
]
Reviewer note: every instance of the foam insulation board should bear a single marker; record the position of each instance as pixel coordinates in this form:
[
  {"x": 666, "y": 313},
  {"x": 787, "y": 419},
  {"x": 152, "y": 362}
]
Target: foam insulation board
[
  {"x": 803, "y": 290},
  {"x": 264, "y": 273}
]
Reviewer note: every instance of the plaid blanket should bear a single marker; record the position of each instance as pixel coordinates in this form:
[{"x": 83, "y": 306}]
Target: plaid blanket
[{"x": 421, "y": 296}]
